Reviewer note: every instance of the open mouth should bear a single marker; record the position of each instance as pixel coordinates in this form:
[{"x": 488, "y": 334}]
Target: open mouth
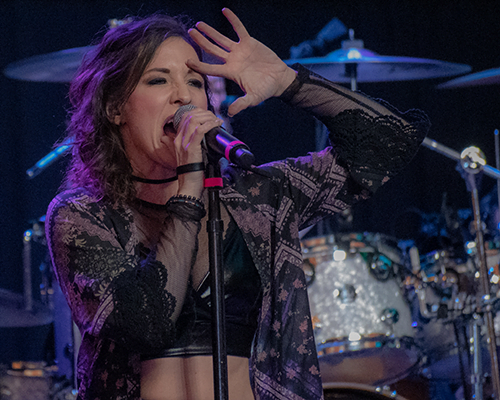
[{"x": 168, "y": 128}]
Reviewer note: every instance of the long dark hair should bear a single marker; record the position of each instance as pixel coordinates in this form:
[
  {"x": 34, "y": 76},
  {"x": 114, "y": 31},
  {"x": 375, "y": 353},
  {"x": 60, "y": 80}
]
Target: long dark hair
[{"x": 105, "y": 80}]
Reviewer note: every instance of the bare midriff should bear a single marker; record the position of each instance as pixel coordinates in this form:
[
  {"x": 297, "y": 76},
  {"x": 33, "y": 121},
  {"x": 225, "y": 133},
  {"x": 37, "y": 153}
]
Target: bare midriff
[{"x": 191, "y": 378}]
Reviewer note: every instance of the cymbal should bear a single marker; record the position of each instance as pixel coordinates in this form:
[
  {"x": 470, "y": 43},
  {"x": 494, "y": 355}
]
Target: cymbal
[
  {"x": 372, "y": 67},
  {"x": 13, "y": 315},
  {"x": 486, "y": 77},
  {"x": 59, "y": 66}
]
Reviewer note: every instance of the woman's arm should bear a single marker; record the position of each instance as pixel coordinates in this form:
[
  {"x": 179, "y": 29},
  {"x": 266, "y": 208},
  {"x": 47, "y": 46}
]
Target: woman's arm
[{"x": 116, "y": 287}]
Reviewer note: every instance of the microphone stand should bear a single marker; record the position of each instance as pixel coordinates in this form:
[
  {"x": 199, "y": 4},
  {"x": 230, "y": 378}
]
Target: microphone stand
[{"x": 215, "y": 228}]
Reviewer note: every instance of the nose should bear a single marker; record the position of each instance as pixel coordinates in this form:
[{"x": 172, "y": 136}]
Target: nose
[{"x": 182, "y": 94}]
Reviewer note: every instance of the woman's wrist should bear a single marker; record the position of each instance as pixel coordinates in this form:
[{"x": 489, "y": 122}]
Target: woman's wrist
[
  {"x": 288, "y": 77},
  {"x": 186, "y": 207}
]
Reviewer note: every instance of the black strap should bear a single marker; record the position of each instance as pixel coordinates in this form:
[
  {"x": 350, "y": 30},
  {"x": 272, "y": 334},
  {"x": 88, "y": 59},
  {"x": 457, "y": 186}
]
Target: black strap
[
  {"x": 153, "y": 181},
  {"x": 184, "y": 169}
]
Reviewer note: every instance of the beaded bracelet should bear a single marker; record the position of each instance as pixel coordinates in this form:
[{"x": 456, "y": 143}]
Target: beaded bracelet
[
  {"x": 184, "y": 199},
  {"x": 184, "y": 169}
]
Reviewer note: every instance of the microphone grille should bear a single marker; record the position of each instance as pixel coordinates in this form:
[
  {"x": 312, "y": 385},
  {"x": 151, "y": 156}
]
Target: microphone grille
[{"x": 180, "y": 112}]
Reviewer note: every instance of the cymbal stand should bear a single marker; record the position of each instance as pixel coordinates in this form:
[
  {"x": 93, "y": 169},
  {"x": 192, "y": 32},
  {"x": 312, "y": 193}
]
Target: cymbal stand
[
  {"x": 351, "y": 69},
  {"x": 472, "y": 162},
  {"x": 27, "y": 289}
]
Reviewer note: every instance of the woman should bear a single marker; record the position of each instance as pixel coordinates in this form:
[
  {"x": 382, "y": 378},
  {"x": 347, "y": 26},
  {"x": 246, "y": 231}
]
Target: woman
[{"x": 125, "y": 234}]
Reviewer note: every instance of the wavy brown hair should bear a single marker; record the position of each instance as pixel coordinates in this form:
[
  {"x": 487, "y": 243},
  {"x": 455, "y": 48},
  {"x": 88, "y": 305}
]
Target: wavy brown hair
[{"x": 105, "y": 80}]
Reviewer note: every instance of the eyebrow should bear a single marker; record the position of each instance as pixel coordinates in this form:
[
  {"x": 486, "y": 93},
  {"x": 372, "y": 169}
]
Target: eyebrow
[
  {"x": 163, "y": 70},
  {"x": 167, "y": 71}
]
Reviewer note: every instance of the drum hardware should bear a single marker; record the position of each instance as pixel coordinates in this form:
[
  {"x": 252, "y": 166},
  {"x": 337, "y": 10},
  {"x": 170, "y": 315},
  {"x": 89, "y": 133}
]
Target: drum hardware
[
  {"x": 24, "y": 311},
  {"x": 57, "y": 67},
  {"x": 28, "y": 295},
  {"x": 381, "y": 266},
  {"x": 389, "y": 316},
  {"x": 477, "y": 375},
  {"x": 472, "y": 162},
  {"x": 354, "y": 391},
  {"x": 487, "y": 77},
  {"x": 346, "y": 294},
  {"x": 454, "y": 155},
  {"x": 353, "y": 63},
  {"x": 35, "y": 234}
]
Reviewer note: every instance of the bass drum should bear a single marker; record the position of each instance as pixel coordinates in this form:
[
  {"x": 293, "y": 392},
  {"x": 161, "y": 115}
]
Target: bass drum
[{"x": 362, "y": 322}]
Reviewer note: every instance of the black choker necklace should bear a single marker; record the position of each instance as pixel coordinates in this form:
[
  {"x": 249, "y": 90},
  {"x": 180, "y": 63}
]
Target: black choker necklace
[{"x": 154, "y": 181}]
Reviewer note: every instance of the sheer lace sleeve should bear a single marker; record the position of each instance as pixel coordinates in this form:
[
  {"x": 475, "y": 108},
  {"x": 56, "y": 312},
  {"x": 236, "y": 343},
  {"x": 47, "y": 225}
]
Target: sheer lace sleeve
[
  {"x": 373, "y": 139},
  {"x": 116, "y": 286}
]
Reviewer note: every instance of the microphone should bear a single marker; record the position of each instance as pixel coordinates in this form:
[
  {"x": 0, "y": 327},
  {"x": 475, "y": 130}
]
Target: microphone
[{"x": 219, "y": 141}]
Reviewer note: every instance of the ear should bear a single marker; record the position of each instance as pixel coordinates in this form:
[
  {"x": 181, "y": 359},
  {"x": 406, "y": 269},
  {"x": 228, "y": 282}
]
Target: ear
[
  {"x": 114, "y": 115},
  {"x": 117, "y": 119}
]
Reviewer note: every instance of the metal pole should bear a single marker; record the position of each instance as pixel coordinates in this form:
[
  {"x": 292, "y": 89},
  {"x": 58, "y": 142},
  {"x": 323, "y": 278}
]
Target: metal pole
[
  {"x": 215, "y": 228},
  {"x": 484, "y": 305},
  {"x": 497, "y": 164},
  {"x": 27, "y": 289},
  {"x": 476, "y": 378}
]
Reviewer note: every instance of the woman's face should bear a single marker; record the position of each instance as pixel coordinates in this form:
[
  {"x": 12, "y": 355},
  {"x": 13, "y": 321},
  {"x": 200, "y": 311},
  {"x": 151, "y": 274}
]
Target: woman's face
[{"x": 145, "y": 120}]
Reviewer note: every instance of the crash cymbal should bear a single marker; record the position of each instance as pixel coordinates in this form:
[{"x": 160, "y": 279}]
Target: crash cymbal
[
  {"x": 372, "y": 67},
  {"x": 13, "y": 315},
  {"x": 59, "y": 66},
  {"x": 487, "y": 77}
]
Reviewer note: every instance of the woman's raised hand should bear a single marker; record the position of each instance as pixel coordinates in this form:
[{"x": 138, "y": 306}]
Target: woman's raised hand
[{"x": 258, "y": 71}]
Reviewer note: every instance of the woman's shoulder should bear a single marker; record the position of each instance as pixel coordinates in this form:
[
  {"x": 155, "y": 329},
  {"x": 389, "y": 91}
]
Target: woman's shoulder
[
  {"x": 78, "y": 208},
  {"x": 75, "y": 197},
  {"x": 83, "y": 201}
]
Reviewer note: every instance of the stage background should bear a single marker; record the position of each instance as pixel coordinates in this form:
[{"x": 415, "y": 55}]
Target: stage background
[{"x": 32, "y": 114}]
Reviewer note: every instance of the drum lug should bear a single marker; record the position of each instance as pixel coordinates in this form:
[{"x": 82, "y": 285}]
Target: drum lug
[
  {"x": 389, "y": 316},
  {"x": 347, "y": 294}
]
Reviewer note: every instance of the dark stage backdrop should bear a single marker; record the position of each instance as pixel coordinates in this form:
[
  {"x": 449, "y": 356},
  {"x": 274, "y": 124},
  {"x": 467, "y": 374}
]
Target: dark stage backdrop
[{"x": 32, "y": 114}]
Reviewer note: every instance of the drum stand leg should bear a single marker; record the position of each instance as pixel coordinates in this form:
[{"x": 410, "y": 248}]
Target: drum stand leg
[
  {"x": 477, "y": 375},
  {"x": 462, "y": 338}
]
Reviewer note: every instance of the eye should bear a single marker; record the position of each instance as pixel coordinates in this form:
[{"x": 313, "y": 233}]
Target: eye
[
  {"x": 197, "y": 83},
  {"x": 157, "y": 81}
]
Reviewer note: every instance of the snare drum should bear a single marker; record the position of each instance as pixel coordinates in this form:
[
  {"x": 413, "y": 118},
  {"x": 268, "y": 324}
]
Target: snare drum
[{"x": 362, "y": 322}]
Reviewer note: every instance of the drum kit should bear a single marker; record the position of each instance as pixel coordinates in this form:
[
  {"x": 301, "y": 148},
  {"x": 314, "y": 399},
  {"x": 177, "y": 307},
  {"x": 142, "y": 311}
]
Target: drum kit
[{"x": 381, "y": 311}]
